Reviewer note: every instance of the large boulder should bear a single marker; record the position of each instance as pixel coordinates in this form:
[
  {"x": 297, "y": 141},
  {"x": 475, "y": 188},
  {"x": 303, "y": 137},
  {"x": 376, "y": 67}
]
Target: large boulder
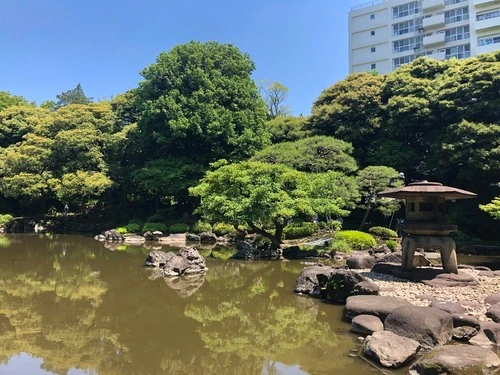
[
  {"x": 449, "y": 307},
  {"x": 342, "y": 283},
  {"x": 360, "y": 260},
  {"x": 308, "y": 279},
  {"x": 366, "y": 324},
  {"x": 494, "y": 312},
  {"x": 389, "y": 349},
  {"x": 187, "y": 261},
  {"x": 493, "y": 299},
  {"x": 457, "y": 360},
  {"x": 430, "y": 327},
  {"x": 208, "y": 237},
  {"x": 158, "y": 258},
  {"x": 112, "y": 235},
  {"x": 380, "y": 306},
  {"x": 244, "y": 250},
  {"x": 396, "y": 258}
]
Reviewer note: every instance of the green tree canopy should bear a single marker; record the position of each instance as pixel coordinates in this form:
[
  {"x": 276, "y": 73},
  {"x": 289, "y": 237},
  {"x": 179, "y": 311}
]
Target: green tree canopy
[
  {"x": 314, "y": 154},
  {"x": 287, "y": 128},
  {"x": 492, "y": 208},
  {"x": 73, "y": 96},
  {"x": 9, "y": 100},
  {"x": 275, "y": 94}
]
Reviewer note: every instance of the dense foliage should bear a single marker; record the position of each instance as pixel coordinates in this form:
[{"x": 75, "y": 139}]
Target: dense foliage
[
  {"x": 358, "y": 240},
  {"x": 138, "y": 154}
]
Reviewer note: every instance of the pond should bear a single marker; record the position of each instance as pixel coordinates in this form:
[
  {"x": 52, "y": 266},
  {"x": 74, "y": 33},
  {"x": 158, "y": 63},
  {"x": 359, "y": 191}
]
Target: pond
[{"x": 68, "y": 305}]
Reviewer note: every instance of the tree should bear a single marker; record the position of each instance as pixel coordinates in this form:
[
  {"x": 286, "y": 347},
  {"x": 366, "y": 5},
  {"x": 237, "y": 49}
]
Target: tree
[
  {"x": 313, "y": 154},
  {"x": 74, "y": 96},
  {"x": 275, "y": 95},
  {"x": 199, "y": 101},
  {"x": 373, "y": 180},
  {"x": 262, "y": 196},
  {"x": 9, "y": 100},
  {"x": 287, "y": 128},
  {"x": 492, "y": 208}
]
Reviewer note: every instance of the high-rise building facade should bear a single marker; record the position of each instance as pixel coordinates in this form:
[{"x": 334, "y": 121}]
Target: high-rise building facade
[{"x": 385, "y": 34}]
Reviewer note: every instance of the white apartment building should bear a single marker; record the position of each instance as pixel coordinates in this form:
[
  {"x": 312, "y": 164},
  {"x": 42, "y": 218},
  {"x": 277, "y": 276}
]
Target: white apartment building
[{"x": 384, "y": 34}]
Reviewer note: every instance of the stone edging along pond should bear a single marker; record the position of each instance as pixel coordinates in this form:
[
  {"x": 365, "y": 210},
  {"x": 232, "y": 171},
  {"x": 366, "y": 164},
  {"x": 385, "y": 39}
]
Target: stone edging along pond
[{"x": 424, "y": 318}]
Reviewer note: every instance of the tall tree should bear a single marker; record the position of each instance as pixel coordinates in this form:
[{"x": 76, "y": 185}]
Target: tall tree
[
  {"x": 275, "y": 94},
  {"x": 9, "y": 100},
  {"x": 73, "y": 96}
]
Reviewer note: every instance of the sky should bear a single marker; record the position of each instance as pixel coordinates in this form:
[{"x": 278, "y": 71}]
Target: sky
[{"x": 49, "y": 46}]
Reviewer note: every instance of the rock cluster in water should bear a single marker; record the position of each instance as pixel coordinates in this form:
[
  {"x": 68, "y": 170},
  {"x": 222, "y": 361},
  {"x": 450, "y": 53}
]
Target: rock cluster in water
[{"x": 187, "y": 261}]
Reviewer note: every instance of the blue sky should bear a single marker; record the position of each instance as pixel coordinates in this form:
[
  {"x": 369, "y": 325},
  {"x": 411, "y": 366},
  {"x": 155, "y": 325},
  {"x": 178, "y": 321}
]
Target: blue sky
[{"x": 49, "y": 46}]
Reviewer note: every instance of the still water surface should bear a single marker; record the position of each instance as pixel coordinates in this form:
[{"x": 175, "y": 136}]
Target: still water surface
[{"x": 70, "y": 306}]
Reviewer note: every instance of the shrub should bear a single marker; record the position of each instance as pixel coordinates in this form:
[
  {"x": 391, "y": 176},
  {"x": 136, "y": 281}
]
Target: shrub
[
  {"x": 152, "y": 227},
  {"x": 178, "y": 228},
  {"x": 133, "y": 227},
  {"x": 156, "y": 218},
  {"x": 121, "y": 230},
  {"x": 392, "y": 244},
  {"x": 340, "y": 245},
  {"x": 383, "y": 232},
  {"x": 358, "y": 240},
  {"x": 322, "y": 225},
  {"x": 200, "y": 227},
  {"x": 334, "y": 225},
  {"x": 221, "y": 229},
  {"x": 5, "y": 219},
  {"x": 298, "y": 230}
]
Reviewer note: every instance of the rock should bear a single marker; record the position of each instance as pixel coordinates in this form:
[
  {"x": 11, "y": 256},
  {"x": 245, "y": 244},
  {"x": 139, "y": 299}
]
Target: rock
[
  {"x": 464, "y": 333},
  {"x": 380, "y": 306},
  {"x": 134, "y": 240},
  {"x": 158, "y": 258},
  {"x": 451, "y": 280},
  {"x": 460, "y": 320},
  {"x": 430, "y": 327},
  {"x": 493, "y": 299},
  {"x": 187, "y": 261},
  {"x": 381, "y": 249},
  {"x": 208, "y": 237},
  {"x": 341, "y": 283},
  {"x": 482, "y": 268},
  {"x": 192, "y": 237},
  {"x": 100, "y": 237},
  {"x": 419, "y": 260},
  {"x": 366, "y": 324},
  {"x": 391, "y": 258},
  {"x": 246, "y": 251},
  {"x": 482, "y": 340},
  {"x": 361, "y": 260},
  {"x": 494, "y": 312},
  {"x": 157, "y": 234},
  {"x": 308, "y": 278},
  {"x": 456, "y": 360},
  {"x": 492, "y": 331},
  {"x": 148, "y": 236},
  {"x": 389, "y": 349},
  {"x": 489, "y": 273},
  {"x": 449, "y": 307},
  {"x": 294, "y": 252},
  {"x": 322, "y": 242},
  {"x": 112, "y": 235}
]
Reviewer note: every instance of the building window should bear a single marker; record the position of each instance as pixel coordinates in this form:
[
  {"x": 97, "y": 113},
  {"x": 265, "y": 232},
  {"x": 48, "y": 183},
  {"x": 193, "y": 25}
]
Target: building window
[
  {"x": 372, "y": 16},
  {"x": 457, "y": 33},
  {"x": 406, "y": 27},
  {"x": 488, "y": 15},
  {"x": 407, "y": 44},
  {"x": 405, "y": 10},
  {"x": 488, "y": 40},
  {"x": 372, "y": 33},
  {"x": 456, "y": 15},
  {"x": 458, "y": 52},
  {"x": 450, "y": 2},
  {"x": 398, "y": 61},
  {"x": 372, "y": 49},
  {"x": 373, "y": 66}
]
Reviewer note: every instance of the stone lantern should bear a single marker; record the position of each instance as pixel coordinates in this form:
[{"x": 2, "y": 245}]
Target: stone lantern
[{"x": 425, "y": 220}]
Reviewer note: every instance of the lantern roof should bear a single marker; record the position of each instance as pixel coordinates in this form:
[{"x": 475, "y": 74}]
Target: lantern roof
[{"x": 427, "y": 189}]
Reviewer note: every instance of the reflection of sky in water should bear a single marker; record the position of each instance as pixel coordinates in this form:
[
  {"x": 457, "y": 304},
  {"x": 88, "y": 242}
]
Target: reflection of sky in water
[{"x": 24, "y": 364}]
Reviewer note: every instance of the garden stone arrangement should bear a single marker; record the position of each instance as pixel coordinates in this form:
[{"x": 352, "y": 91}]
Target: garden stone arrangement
[
  {"x": 187, "y": 261},
  {"x": 411, "y": 317}
]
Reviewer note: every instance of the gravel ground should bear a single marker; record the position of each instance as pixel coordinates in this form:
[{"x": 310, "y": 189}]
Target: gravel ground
[{"x": 470, "y": 297}]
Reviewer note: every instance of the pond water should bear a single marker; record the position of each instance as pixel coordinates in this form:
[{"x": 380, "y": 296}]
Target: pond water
[{"x": 68, "y": 305}]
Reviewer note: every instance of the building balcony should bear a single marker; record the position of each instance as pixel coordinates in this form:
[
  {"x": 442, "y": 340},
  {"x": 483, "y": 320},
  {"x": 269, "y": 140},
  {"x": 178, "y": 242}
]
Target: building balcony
[
  {"x": 484, "y": 2},
  {"x": 487, "y": 48},
  {"x": 433, "y": 22},
  {"x": 434, "y": 40},
  {"x": 430, "y": 5},
  {"x": 489, "y": 23},
  {"x": 437, "y": 56}
]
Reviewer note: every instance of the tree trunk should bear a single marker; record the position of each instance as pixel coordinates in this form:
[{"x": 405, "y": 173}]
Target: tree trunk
[
  {"x": 275, "y": 240},
  {"x": 363, "y": 221}
]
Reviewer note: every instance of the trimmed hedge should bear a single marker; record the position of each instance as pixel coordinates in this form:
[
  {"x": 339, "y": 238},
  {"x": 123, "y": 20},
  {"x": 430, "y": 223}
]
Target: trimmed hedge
[
  {"x": 152, "y": 227},
  {"x": 358, "y": 240},
  {"x": 221, "y": 229},
  {"x": 299, "y": 230},
  {"x": 6, "y": 219},
  {"x": 340, "y": 245},
  {"x": 200, "y": 227},
  {"x": 178, "y": 228},
  {"x": 392, "y": 244},
  {"x": 383, "y": 232},
  {"x": 133, "y": 227}
]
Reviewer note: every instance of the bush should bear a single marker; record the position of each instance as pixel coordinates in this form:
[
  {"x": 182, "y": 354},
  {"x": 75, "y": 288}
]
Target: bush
[
  {"x": 298, "y": 230},
  {"x": 334, "y": 225},
  {"x": 121, "y": 230},
  {"x": 322, "y": 225},
  {"x": 153, "y": 227},
  {"x": 6, "y": 219},
  {"x": 200, "y": 227},
  {"x": 383, "y": 232},
  {"x": 178, "y": 228},
  {"x": 221, "y": 229},
  {"x": 358, "y": 240},
  {"x": 392, "y": 244},
  {"x": 340, "y": 245},
  {"x": 156, "y": 218},
  {"x": 133, "y": 227}
]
